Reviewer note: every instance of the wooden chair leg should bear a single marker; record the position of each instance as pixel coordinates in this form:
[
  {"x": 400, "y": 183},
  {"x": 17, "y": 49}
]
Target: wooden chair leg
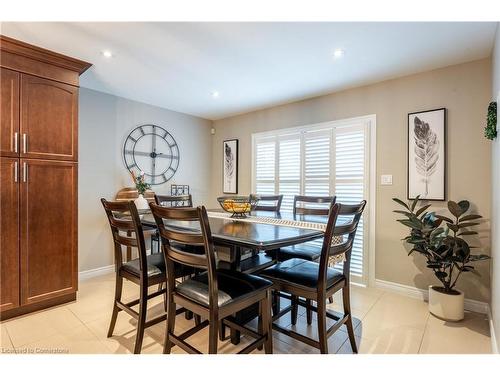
[
  {"x": 222, "y": 331},
  {"x": 143, "y": 307},
  {"x": 309, "y": 312},
  {"x": 323, "y": 340},
  {"x": 197, "y": 319},
  {"x": 276, "y": 302},
  {"x": 295, "y": 309},
  {"x": 213, "y": 335},
  {"x": 348, "y": 323},
  {"x": 171, "y": 314},
  {"x": 118, "y": 297},
  {"x": 259, "y": 322},
  {"x": 267, "y": 324}
]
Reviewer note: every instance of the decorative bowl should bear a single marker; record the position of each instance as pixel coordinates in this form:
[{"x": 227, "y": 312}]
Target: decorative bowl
[{"x": 238, "y": 206}]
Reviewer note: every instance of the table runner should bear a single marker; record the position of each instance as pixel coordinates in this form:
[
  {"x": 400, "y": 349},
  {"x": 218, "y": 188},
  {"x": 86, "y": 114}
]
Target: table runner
[{"x": 336, "y": 240}]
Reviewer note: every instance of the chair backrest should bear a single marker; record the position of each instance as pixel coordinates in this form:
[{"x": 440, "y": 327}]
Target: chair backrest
[
  {"x": 127, "y": 231},
  {"x": 273, "y": 205},
  {"x": 174, "y": 200},
  {"x": 347, "y": 232},
  {"x": 173, "y": 235},
  {"x": 312, "y": 205}
]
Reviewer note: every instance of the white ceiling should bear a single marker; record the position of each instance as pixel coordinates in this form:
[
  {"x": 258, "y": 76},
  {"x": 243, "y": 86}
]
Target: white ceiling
[{"x": 252, "y": 65}]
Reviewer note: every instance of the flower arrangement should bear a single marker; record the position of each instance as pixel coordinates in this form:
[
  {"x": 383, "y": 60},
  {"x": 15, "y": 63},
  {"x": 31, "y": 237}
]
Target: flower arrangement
[{"x": 140, "y": 183}]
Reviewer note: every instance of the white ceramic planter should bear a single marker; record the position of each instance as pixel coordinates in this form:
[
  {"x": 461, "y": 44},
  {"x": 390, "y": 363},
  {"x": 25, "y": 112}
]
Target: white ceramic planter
[
  {"x": 448, "y": 307},
  {"x": 141, "y": 203}
]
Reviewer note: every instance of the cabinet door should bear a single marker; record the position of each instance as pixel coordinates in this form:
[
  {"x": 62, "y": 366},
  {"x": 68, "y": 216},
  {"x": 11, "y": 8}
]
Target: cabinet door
[
  {"x": 49, "y": 119},
  {"x": 9, "y": 113},
  {"x": 9, "y": 226},
  {"x": 48, "y": 229}
]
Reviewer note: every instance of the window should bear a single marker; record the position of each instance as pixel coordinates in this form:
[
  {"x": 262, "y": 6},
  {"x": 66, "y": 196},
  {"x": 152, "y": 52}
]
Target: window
[{"x": 325, "y": 159}]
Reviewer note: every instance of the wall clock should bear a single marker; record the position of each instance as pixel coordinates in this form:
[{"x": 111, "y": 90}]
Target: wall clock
[{"x": 152, "y": 150}]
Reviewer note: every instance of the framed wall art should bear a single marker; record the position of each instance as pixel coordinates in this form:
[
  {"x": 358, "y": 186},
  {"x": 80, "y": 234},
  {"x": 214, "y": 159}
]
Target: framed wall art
[
  {"x": 427, "y": 154},
  {"x": 230, "y": 166}
]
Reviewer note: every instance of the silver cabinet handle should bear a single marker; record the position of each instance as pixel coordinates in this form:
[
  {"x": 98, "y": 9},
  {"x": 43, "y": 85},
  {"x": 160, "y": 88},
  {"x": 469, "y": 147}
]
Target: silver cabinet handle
[
  {"x": 25, "y": 172},
  {"x": 15, "y": 171},
  {"x": 25, "y": 143},
  {"x": 15, "y": 142}
]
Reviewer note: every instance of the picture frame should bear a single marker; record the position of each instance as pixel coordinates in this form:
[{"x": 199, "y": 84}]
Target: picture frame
[
  {"x": 230, "y": 166},
  {"x": 426, "y": 155}
]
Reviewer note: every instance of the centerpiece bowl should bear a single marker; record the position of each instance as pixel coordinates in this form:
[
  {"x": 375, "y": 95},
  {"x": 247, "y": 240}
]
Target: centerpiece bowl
[{"x": 238, "y": 206}]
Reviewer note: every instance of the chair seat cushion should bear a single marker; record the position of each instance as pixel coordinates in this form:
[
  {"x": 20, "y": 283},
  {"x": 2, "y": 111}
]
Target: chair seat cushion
[
  {"x": 156, "y": 266},
  {"x": 302, "y": 251},
  {"x": 231, "y": 284},
  {"x": 301, "y": 272}
]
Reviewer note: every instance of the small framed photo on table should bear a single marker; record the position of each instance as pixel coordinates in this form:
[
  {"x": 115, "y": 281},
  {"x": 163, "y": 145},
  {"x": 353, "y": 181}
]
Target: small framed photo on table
[
  {"x": 427, "y": 155},
  {"x": 230, "y": 166}
]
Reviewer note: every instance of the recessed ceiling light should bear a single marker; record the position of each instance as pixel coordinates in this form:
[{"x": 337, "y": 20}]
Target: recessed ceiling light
[
  {"x": 214, "y": 94},
  {"x": 108, "y": 54},
  {"x": 338, "y": 53}
]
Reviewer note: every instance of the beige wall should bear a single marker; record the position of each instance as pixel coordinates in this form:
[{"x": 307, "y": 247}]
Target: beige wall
[
  {"x": 463, "y": 89},
  {"x": 104, "y": 122},
  {"x": 495, "y": 214}
]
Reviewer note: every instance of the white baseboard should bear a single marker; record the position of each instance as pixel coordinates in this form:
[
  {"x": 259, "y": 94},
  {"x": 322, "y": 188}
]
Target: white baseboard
[
  {"x": 494, "y": 347},
  {"x": 411, "y": 291},
  {"x": 85, "y": 275}
]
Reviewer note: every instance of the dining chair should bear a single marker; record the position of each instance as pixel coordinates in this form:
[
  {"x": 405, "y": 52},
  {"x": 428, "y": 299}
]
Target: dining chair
[
  {"x": 304, "y": 279},
  {"x": 145, "y": 271},
  {"x": 216, "y": 294},
  {"x": 169, "y": 201},
  {"x": 272, "y": 202},
  {"x": 310, "y": 206}
]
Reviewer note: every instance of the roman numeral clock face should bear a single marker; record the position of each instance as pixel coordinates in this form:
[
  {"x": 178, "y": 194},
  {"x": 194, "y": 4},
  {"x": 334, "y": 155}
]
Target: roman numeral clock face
[{"x": 152, "y": 150}]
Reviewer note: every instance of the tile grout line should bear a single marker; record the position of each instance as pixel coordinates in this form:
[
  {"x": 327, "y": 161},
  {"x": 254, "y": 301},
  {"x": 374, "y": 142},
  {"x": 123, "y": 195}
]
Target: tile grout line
[{"x": 423, "y": 334}]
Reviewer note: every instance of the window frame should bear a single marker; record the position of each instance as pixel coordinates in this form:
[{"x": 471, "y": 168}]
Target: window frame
[{"x": 369, "y": 124}]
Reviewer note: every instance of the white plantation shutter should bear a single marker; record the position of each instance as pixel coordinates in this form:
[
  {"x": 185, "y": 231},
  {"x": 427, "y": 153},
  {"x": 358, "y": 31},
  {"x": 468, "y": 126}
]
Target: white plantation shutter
[
  {"x": 325, "y": 160},
  {"x": 265, "y": 154},
  {"x": 289, "y": 170},
  {"x": 350, "y": 182},
  {"x": 317, "y": 145}
]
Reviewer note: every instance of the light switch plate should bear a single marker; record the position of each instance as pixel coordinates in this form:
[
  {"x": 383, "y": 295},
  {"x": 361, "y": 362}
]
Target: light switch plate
[{"x": 386, "y": 179}]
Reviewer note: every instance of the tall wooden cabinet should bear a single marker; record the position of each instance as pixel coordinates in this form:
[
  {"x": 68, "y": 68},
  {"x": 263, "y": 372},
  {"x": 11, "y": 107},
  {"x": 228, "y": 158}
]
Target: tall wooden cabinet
[{"x": 38, "y": 177}]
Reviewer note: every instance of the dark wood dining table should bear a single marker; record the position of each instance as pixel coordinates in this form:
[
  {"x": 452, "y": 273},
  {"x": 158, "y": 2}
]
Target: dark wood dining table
[{"x": 238, "y": 234}]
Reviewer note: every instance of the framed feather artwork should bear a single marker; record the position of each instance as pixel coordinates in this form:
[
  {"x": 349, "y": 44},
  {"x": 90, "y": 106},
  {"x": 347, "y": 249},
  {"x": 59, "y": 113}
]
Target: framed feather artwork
[
  {"x": 230, "y": 166},
  {"x": 427, "y": 155}
]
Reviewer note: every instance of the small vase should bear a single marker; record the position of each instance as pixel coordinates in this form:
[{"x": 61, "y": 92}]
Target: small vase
[
  {"x": 448, "y": 307},
  {"x": 141, "y": 203}
]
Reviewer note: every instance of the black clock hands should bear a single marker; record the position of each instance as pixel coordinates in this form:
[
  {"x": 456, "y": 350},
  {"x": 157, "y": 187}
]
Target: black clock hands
[{"x": 137, "y": 150}]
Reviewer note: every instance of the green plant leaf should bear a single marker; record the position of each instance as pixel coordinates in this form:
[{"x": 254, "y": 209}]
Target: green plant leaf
[
  {"x": 406, "y": 213},
  {"x": 422, "y": 209},
  {"x": 465, "y": 225},
  {"x": 411, "y": 224},
  {"x": 414, "y": 203},
  {"x": 467, "y": 233},
  {"x": 464, "y": 206},
  {"x": 453, "y": 227},
  {"x": 444, "y": 218},
  {"x": 401, "y": 202},
  {"x": 470, "y": 217},
  {"x": 454, "y": 208}
]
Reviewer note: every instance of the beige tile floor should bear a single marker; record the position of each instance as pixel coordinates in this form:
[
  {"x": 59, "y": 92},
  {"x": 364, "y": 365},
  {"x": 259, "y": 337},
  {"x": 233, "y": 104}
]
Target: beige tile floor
[{"x": 384, "y": 323}]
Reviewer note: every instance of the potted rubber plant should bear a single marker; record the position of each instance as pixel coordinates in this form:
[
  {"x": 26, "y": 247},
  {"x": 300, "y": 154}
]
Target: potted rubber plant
[{"x": 442, "y": 240}]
